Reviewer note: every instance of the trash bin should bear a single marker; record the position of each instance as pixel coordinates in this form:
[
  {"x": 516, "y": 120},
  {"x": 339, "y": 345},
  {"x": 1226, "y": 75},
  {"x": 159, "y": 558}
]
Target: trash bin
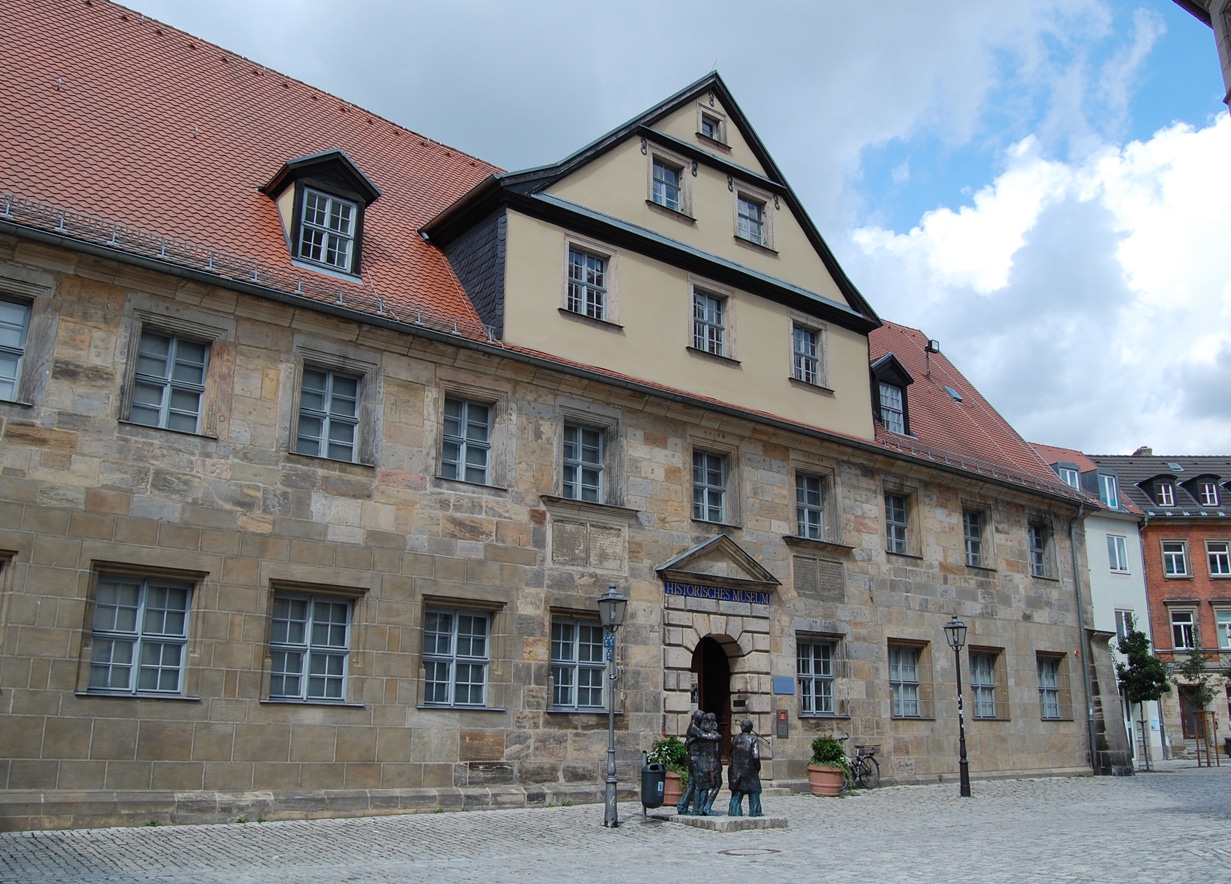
[{"x": 653, "y": 780}]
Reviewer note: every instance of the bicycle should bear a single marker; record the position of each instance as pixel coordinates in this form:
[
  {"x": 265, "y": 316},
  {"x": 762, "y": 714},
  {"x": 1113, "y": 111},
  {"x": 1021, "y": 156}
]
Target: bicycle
[{"x": 865, "y": 770}]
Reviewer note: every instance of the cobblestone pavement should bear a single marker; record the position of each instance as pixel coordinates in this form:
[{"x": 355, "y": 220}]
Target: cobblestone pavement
[{"x": 1171, "y": 825}]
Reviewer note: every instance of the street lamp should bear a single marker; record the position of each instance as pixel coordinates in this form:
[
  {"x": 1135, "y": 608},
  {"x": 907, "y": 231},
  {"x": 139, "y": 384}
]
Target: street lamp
[
  {"x": 611, "y": 609},
  {"x": 955, "y": 634}
]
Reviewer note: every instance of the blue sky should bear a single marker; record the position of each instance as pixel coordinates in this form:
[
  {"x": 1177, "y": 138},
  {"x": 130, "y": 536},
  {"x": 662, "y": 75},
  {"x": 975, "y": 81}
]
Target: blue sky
[{"x": 1041, "y": 185}]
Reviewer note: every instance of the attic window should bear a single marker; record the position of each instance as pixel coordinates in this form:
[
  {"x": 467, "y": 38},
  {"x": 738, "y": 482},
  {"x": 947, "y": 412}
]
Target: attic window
[
  {"x": 321, "y": 200},
  {"x": 954, "y": 394},
  {"x": 1165, "y": 493},
  {"x": 893, "y": 411},
  {"x": 889, "y": 398}
]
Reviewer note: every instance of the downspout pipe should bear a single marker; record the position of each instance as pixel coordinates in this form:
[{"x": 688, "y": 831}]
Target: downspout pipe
[{"x": 1084, "y": 637}]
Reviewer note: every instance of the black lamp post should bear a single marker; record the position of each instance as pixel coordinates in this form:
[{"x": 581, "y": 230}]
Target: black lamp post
[
  {"x": 955, "y": 634},
  {"x": 611, "y": 609}
]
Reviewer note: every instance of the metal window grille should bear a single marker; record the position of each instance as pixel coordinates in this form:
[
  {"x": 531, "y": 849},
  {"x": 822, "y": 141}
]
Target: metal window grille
[
  {"x": 583, "y": 463},
  {"x": 972, "y": 533},
  {"x": 467, "y": 441},
  {"x": 815, "y": 674},
  {"x": 810, "y": 506},
  {"x": 328, "y": 414},
  {"x": 578, "y": 665},
  {"x": 309, "y": 646},
  {"x": 139, "y": 636},
  {"x": 709, "y": 323},
  {"x": 169, "y": 382},
  {"x": 709, "y": 487},
  {"x": 455, "y": 658},
  {"x": 587, "y": 284},
  {"x": 805, "y": 356},
  {"x": 14, "y": 325},
  {"x": 895, "y": 523},
  {"x": 666, "y": 191},
  {"x": 327, "y": 230},
  {"x": 904, "y": 680}
]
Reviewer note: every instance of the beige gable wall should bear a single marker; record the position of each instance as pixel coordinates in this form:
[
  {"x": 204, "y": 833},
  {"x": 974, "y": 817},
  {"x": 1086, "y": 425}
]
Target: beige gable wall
[
  {"x": 684, "y": 124},
  {"x": 651, "y": 331},
  {"x": 618, "y": 184}
]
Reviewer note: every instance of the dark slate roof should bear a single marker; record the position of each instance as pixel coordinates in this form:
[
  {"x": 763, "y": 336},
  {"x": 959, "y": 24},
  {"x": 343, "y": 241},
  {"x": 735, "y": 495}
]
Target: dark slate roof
[
  {"x": 1138, "y": 472},
  {"x": 1053, "y": 455}
]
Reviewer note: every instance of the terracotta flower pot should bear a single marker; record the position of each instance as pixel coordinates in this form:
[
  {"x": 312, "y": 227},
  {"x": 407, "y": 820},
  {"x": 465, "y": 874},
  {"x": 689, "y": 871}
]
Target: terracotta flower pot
[
  {"x": 826, "y": 781},
  {"x": 673, "y": 789}
]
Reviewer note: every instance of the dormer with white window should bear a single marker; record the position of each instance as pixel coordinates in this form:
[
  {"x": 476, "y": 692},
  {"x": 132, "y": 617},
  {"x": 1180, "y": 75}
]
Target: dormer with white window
[
  {"x": 890, "y": 406},
  {"x": 1205, "y": 491},
  {"x": 1105, "y": 484},
  {"x": 321, "y": 200}
]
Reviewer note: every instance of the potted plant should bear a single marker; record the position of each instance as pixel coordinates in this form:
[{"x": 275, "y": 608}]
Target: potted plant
[
  {"x": 671, "y": 753},
  {"x": 829, "y": 767}
]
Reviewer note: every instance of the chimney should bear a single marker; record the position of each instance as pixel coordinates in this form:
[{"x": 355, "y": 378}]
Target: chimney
[{"x": 1143, "y": 451}]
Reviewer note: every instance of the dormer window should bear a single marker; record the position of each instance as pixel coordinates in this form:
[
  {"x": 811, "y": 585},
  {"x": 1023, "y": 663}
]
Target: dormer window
[
  {"x": 1068, "y": 475},
  {"x": 1165, "y": 493},
  {"x": 893, "y": 412},
  {"x": 1108, "y": 491},
  {"x": 327, "y": 230},
  {"x": 1207, "y": 493},
  {"x": 321, "y": 200},
  {"x": 889, "y": 402}
]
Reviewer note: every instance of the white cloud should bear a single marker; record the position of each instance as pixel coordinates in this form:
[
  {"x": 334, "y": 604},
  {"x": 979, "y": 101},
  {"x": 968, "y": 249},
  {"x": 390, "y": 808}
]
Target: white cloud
[{"x": 1088, "y": 301}]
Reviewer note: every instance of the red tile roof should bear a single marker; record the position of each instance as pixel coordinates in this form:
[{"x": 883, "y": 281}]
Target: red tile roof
[
  {"x": 1053, "y": 454},
  {"x": 969, "y": 433},
  {"x": 118, "y": 116}
]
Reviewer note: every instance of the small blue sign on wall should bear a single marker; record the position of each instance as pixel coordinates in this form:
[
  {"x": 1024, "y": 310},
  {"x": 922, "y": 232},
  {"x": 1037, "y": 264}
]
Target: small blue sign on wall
[{"x": 784, "y": 684}]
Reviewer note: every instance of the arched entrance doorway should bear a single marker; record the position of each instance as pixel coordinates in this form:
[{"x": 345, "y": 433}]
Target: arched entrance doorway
[{"x": 713, "y": 671}]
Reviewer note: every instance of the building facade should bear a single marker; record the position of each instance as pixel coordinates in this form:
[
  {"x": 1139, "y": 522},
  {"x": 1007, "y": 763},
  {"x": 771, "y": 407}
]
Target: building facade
[
  {"x": 320, "y": 441},
  {"x": 1186, "y": 542}
]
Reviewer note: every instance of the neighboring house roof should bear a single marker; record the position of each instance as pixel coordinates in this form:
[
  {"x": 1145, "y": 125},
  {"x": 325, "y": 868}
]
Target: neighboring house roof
[
  {"x": 969, "y": 432},
  {"x": 1053, "y": 455},
  {"x": 116, "y": 116},
  {"x": 1139, "y": 471}
]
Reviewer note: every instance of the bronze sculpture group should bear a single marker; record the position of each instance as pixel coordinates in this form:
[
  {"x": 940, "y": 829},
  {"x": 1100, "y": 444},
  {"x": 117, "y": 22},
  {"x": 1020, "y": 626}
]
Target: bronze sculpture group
[{"x": 704, "y": 745}]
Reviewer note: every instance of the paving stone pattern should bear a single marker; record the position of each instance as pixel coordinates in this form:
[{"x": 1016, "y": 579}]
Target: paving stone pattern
[{"x": 1172, "y": 825}]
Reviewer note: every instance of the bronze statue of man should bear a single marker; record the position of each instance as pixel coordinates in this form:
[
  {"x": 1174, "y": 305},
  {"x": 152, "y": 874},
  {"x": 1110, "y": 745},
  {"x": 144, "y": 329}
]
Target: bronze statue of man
[
  {"x": 744, "y": 772},
  {"x": 709, "y": 766},
  {"x": 691, "y": 737}
]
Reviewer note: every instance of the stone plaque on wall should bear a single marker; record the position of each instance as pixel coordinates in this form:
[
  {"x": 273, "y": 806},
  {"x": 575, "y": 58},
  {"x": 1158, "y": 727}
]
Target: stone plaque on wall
[
  {"x": 819, "y": 579},
  {"x": 588, "y": 545},
  {"x": 568, "y": 542}
]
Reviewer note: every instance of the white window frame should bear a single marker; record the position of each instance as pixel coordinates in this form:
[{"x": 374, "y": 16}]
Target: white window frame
[
  {"x": 659, "y": 185},
  {"x": 810, "y": 493},
  {"x": 333, "y": 244},
  {"x": 1207, "y": 493},
  {"x": 180, "y": 399},
  {"x": 1049, "y": 687},
  {"x": 904, "y": 684},
  {"x": 15, "y": 317},
  {"x": 893, "y": 407},
  {"x": 1175, "y": 558},
  {"x": 583, "y": 455},
  {"x": 586, "y": 287},
  {"x": 814, "y": 673},
  {"x": 1218, "y": 557},
  {"x": 718, "y": 121},
  {"x": 751, "y": 219},
  {"x": 983, "y": 683},
  {"x": 1109, "y": 491},
  {"x": 1069, "y": 476},
  {"x": 309, "y": 648},
  {"x": 138, "y": 635},
  {"x": 460, "y": 453},
  {"x": 1123, "y": 616},
  {"x": 710, "y": 322},
  {"x": 1166, "y": 494},
  {"x": 809, "y": 364},
  {"x": 1117, "y": 553},
  {"x": 451, "y": 660},
  {"x": 897, "y": 523},
  {"x": 577, "y": 656},
  {"x": 1183, "y": 623},
  {"x": 710, "y": 498},
  {"x": 1222, "y": 626},
  {"x": 336, "y": 416},
  {"x": 972, "y": 537}
]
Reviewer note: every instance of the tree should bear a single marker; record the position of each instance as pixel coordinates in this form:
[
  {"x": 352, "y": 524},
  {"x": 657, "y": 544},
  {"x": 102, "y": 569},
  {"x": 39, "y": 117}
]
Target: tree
[
  {"x": 1194, "y": 681},
  {"x": 1142, "y": 677}
]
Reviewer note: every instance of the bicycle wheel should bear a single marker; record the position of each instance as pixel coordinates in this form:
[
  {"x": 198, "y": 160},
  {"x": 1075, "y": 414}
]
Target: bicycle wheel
[{"x": 868, "y": 775}]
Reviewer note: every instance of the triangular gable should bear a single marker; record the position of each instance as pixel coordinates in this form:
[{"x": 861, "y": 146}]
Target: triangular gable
[
  {"x": 719, "y": 560},
  {"x": 891, "y": 370}
]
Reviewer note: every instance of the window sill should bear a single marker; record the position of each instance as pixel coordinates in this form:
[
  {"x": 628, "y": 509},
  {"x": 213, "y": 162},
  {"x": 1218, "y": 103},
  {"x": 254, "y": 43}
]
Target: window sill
[
  {"x": 756, "y": 246},
  {"x": 315, "y": 704},
  {"x": 605, "y": 324},
  {"x": 569, "y": 506},
  {"x": 135, "y": 425},
  {"x": 717, "y": 357},
  {"x": 705, "y": 139},
  {"x": 99, "y": 695},
  {"x": 815, "y": 388},
  {"x": 823, "y": 716},
  {"x": 423, "y": 708},
  {"x": 1177, "y": 577},
  {"x": 984, "y": 568},
  {"x": 326, "y": 270},
  {"x": 682, "y": 217},
  {"x": 730, "y": 525},
  {"x": 560, "y": 710},
  {"x": 332, "y": 460},
  {"x": 444, "y": 482},
  {"x": 20, "y": 403},
  {"x": 817, "y": 545},
  {"x": 912, "y": 718},
  {"x": 1058, "y": 720},
  {"x": 902, "y": 555},
  {"x": 1046, "y": 577},
  {"x": 996, "y": 718}
]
